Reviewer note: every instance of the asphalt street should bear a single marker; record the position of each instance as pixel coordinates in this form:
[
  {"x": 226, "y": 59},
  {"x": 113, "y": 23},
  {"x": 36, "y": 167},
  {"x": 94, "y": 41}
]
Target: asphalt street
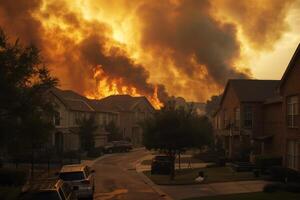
[{"x": 116, "y": 178}]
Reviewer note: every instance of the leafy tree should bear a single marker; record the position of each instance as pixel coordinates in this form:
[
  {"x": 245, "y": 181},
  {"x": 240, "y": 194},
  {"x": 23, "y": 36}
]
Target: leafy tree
[
  {"x": 114, "y": 131},
  {"x": 173, "y": 130},
  {"x": 24, "y": 112},
  {"x": 87, "y": 129}
]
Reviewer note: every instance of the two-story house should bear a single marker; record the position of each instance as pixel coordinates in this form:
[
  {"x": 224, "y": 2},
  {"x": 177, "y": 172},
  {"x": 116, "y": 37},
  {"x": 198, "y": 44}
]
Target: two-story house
[
  {"x": 239, "y": 119},
  {"x": 290, "y": 91},
  {"x": 132, "y": 111},
  {"x": 71, "y": 108}
]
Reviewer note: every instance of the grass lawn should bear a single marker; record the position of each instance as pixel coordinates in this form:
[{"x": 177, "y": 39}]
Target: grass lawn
[
  {"x": 182, "y": 160},
  {"x": 9, "y": 193},
  {"x": 254, "y": 196},
  {"x": 212, "y": 175}
]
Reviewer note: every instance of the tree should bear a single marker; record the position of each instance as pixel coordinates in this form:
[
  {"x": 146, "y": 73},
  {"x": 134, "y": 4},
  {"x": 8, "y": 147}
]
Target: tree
[
  {"x": 114, "y": 131},
  {"x": 24, "y": 112},
  {"x": 173, "y": 130},
  {"x": 87, "y": 130}
]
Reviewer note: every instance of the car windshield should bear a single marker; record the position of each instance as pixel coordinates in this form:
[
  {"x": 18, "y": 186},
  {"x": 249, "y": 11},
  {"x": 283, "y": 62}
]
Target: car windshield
[
  {"x": 47, "y": 195},
  {"x": 71, "y": 176}
]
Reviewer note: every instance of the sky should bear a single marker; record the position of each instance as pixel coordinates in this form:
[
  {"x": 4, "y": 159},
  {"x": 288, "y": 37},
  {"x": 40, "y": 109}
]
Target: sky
[{"x": 159, "y": 49}]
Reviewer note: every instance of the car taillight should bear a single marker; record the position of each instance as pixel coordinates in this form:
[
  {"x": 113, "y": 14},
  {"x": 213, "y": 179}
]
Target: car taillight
[{"x": 85, "y": 182}]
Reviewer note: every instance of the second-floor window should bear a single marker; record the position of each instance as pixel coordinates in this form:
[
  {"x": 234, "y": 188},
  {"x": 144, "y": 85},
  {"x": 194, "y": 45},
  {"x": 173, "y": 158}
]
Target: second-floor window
[
  {"x": 248, "y": 116},
  {"x": 57, "y": 118},
  {"x": 292, "y": 111}
]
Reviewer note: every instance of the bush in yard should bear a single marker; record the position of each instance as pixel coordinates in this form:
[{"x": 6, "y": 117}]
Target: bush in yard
[
  {"x": 287, "y": 187},
  {"x": 95, "y": 152},
  {"x": 265, "y": 162},
  {"x": 273, "y": 187},
  {"x": 284, "y": 174},
  {"x": 293, "y": 187},
  {"x": 10, "y": 177}
]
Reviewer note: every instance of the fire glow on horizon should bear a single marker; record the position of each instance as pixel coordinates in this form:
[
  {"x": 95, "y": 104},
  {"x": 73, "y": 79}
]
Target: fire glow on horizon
[{"x": 185, "y": 48}]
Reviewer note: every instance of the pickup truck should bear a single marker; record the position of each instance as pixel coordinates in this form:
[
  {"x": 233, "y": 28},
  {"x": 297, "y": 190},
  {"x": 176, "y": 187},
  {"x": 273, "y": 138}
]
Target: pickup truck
[{"x": 118, "y": 146}]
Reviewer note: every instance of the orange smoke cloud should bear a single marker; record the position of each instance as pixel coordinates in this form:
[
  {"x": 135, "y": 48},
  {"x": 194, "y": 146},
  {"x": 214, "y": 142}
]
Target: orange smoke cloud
[{"x": 138, "y": 47}]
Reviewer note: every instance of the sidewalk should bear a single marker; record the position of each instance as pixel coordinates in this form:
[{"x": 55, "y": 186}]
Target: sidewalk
[
  {"x": 179, "y": 192},
  {"x": 213, "y": 189}
]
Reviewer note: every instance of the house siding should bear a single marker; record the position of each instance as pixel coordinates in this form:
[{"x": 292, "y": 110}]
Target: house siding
[
  {"x": 291, "y": 87},
  {"x": 273, "y": 126}
]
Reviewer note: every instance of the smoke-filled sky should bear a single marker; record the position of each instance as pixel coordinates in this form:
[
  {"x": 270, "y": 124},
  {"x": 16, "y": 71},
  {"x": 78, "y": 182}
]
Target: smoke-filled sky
[{"x": 187, "y": 48}]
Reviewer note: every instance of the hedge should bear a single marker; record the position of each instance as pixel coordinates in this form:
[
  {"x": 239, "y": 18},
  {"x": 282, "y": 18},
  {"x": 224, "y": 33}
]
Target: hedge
[{"x": 12, "y": 177}]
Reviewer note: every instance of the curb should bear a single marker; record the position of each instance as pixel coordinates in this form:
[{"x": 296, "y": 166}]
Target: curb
[{"x": 150, "y": 183}]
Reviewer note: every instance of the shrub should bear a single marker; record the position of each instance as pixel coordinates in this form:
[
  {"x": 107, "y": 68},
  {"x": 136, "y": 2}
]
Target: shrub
[
  {"x": 287, "y": 187},
  {"x": 95, "y": 152},
  {"x": 293, "y": 187},
  {"x": 10, "y": 177},
  {"x": 266, "y": 162},
  {"x": 284, "y": 174},
  {"x": 273, "y": 187}
]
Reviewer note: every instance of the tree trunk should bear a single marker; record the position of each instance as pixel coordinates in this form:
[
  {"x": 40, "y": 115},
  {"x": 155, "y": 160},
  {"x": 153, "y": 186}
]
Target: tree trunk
[
  {"x": 32, "y": 164},
  {"x": 172, "y": 158}
]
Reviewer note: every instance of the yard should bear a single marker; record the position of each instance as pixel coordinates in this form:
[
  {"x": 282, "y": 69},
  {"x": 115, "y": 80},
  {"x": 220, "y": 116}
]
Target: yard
[
  {"x": 9, "y": 193},
  {"x": 212, "y": 175},
  {"x": 253, "y": 196},
  {"x": 183, "y": 160}
]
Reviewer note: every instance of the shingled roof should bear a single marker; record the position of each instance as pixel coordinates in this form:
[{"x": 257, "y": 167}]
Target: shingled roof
[
  {"x": 120, "y": 102},
  {"x": 290, "y": 65},
  {"x": 249, "y": 90},
  {"x": 72, "y": 100}
]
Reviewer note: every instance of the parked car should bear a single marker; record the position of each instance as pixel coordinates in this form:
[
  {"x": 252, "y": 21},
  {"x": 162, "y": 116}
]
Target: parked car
[
  {"x": 48, "y": 190},
  {"x": 81, "y": 178},
  {"x": 161, "y": 164},
  {"x": 118, "y": 146}
]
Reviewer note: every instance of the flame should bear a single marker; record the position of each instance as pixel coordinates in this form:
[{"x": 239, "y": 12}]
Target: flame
[{"x": 107, "y": 86}]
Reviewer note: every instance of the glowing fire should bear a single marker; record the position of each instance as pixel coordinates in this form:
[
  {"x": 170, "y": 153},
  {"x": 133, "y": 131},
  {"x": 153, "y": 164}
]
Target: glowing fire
[{"x": 107, "y": 86}]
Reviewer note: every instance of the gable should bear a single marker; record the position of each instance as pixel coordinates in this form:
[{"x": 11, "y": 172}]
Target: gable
[
  {"x": 292, "y": 69},
  {"x": 229, "y": 97},
  {"x": 142, "y": 105}
]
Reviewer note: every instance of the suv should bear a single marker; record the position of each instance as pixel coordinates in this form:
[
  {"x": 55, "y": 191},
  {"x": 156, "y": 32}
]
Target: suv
[
  {"x": 161, "y": 164},
  {"x": 48, "y": 190},
  {"x": 80, "y": 177},
  {"x": 118, "y": 146}
]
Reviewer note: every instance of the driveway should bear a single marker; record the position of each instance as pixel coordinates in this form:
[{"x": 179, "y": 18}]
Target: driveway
[{"x": 116, "y": 178}]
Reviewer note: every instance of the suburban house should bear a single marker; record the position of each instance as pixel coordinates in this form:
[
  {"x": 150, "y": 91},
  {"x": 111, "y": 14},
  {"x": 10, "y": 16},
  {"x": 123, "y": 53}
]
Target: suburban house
[
  {"x": 131, "y": 110},
  {"x": 71, "y": 108},
  {"x": 290, "y": 91},
  {"x": 266, "y": 111},
  {"x": 239, "y": 121}
]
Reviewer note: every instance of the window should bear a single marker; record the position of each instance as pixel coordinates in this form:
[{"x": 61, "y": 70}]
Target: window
[
  {"x": 225, "y": 122},
  {"x": 248, "y": 115},
  {"x": 293, "y": 154},
  {"x": 237, "y": 117},
  {"x": 57, "y": 118},
  {"x": 292, "y": 111}
]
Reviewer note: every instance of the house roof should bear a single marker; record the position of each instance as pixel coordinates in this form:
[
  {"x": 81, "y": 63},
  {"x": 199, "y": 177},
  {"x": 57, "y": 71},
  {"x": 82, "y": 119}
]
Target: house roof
[
  {"x": 72, "y": 100},
  {"x": 120, "y": 102},
  {"x": 114, "y": 103},
  {"x": 290, "y": 66},
  {"x": 250, "y": 90}
]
